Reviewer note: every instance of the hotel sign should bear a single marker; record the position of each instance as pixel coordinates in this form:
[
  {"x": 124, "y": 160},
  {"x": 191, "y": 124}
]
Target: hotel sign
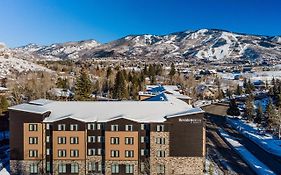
[{"x": 188, "y": 120}]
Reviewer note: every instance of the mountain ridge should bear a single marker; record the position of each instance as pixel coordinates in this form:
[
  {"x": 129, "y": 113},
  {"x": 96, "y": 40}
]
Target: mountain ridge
[{"x": 210, "y": 44}]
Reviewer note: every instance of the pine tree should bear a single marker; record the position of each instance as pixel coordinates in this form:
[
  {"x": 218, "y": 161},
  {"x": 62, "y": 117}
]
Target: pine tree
[
  {"x": 270, "y": 115},
  {"x": 3, "y": 104},
  {"x": 83, "y": 87},
  {"x": 233, "y": 109},
  {"x": 62, "y": 83},
  {"x": 249, "y": 109},
  {"x": 120, "y": 90},
  {"x": 238, "y": 90},
  {"x": 259, "y": 114},
  {"x": 172, "y": 71}
]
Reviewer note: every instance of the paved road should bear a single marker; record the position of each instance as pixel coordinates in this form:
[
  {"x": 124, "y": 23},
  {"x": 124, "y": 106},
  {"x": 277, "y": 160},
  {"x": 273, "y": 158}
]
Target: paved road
[{"x": 223, "y": 154}]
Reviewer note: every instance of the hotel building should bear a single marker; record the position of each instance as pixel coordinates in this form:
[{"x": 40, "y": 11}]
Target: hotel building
[{"x": 119, "y": 137}]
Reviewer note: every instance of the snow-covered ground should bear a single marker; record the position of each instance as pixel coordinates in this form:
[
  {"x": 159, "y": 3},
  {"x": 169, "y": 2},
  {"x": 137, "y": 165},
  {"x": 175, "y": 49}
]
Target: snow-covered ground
[
  {"x": 4, "y": 172},
  {"x": 265, "y": 141},
  {"x": 246, "y": 155}
]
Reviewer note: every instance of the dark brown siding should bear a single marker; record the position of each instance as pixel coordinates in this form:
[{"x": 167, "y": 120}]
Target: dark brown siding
[
  {"x": 17, "y": 119},
  {"x": 68, "y": 122},
  {"x": 121, "y": 124},
  {"x": 186, "y": 136}
]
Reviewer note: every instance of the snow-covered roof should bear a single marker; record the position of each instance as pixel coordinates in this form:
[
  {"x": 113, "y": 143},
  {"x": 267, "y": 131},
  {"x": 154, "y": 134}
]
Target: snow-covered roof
[{"x": 102, "y": 111}]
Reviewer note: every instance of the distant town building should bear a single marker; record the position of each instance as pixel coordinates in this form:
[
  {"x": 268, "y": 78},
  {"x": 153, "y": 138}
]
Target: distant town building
[
  {"x": 153, "y": 92},
  {"x": 120, "y": 137}
]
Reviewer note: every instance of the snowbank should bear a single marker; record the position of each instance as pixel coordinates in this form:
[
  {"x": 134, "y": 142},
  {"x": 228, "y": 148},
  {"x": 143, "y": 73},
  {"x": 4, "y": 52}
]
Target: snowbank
[
  {"x": 4, "y": 172},
  {"x": 265, "y": 141},
  {"x": 247, "y": 156}
]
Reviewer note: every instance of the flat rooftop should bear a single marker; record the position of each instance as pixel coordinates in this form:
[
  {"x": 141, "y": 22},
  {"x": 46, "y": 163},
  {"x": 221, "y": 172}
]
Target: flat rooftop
[{"x": 102, "y": 111}]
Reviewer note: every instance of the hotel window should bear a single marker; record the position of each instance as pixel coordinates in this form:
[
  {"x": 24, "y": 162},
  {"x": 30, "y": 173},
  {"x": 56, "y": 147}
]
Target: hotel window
[
  {"x": 74, "y": 153},
  {"x": 99, "y": 166},
  {"x": 61, "y": 127},
  {"x": 74, "y": 140},
  {"x": 114, "y": 140},
  {"x": 129, "y": 127},
  {"x": 47, "y": 126},
  {"x": 74, "y": 168},
  {"x": 48, "y": 166},
  {"x": 114, "y": 153},
  {"x": 99, "y": 151},
  {"x": 160, "y": 153},
  {"x": 114, "y": 127},
  {"x": 91, "y": 166},
  {"x": 142, "y": 139},
  {"x": 91, "y": 126},
  {"x": 62, "y": 168},
  {"x": 98, "y": 126},
  {"x": 61, "y": 140},
  {"x": 100, "y": 139},
  {"x": 160, "y": 128},
  {"x": 160, "y": 169},
  {"x": 129, "y": 153},
  {"x": 142, "y": 126},
  {"x": 129, "y": 140},
  {"x": 47, "y": 139},
  {"x": 91, "y": 152},
  {"x": 61, "y": 153},
  {"x": 160, "y": 140},
  {"x": 91, "y": 139},
  {"x": 33, "y": 153},
  {"x": 129, "y": 169},
  {"x": 73, "y": 127},
  {"x": 114, "y": 168},
  {"x": 48, "y": 151},
  {"x": 33, "y": 168},
  {"x": 142, "y": 152},
  {"x": 33, "y": 127},
  {"x": 142, "y": 166},
  {"x": 33, "y": 140}
]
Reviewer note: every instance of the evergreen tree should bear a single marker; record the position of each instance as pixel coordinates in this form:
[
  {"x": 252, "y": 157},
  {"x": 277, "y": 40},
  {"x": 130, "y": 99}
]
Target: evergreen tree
[
  {"x": 3, "y": 104},
  {"x": 233, "y": 108},
  {"x": 83, "y": 87},
  {"x": 238, "y": 90},
  {"x": 172, "y": 71},
  {"x": 259, "y": 114},
  {"x": 228, "y": 93},
  {"x": 248, "y": 114},
  {"x": 62, "y": 83},
  {"x": 120, "y": 89},
  {"x": 270, "y": 115}
]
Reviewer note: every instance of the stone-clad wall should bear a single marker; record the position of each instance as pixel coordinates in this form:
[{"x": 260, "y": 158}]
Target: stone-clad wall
[
  {"x": 22, "y": 167},
  {"x": 93, "y": 159},
  {"x": 80, "y": 163},
  {"x": 108, "y": 164},
  {"x": 154, "y": 160},
  {"x": 185, "y": 165}
]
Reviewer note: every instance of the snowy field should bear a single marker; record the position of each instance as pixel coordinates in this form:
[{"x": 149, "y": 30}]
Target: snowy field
[
  {"x": 265, "y": 141},
  {"x": 246, "y": 155}
]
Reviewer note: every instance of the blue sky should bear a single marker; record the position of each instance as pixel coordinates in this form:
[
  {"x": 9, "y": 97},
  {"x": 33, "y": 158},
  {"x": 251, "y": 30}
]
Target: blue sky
[{"x": 53, "y": 21}]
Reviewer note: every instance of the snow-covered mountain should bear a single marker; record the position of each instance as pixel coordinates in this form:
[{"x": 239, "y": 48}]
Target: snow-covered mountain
[
  {"x": 11, "y": 65},
  {"x": 68, "y": 50},
  {"x": 210, "y": 44}
]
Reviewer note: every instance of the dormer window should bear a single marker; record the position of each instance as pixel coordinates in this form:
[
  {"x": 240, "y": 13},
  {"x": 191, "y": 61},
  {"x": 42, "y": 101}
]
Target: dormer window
[
  {"x": 73, "y": 127},
  {"x": 114, "y": 128},
  {"x": 129, "y": 127},
  {"x": 61, "y": 127}
]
